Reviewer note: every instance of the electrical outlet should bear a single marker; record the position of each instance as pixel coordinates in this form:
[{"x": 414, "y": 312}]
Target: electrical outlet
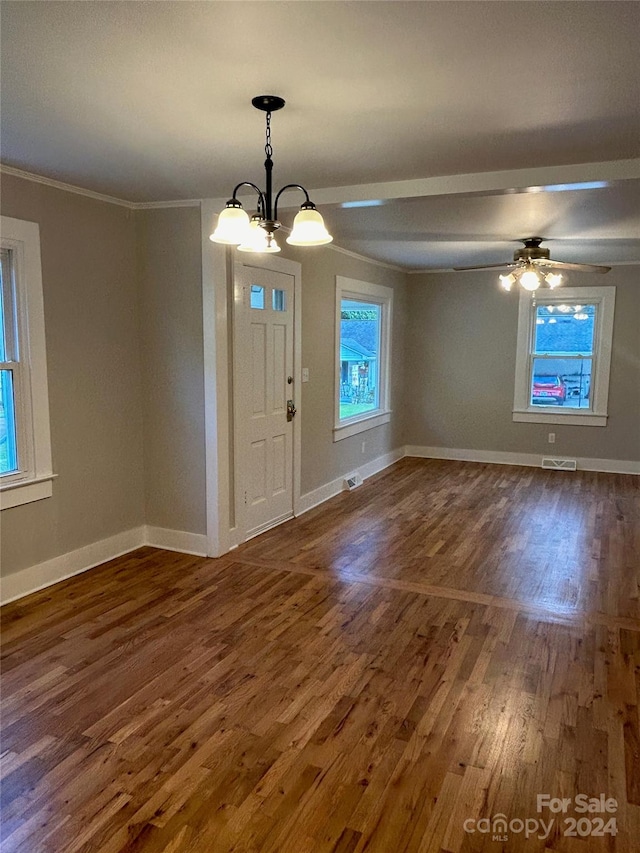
[
  {"x": 552, "y": 438},
  {"x": 305, "y": 374},
  {"x": 364, "y": 446}
]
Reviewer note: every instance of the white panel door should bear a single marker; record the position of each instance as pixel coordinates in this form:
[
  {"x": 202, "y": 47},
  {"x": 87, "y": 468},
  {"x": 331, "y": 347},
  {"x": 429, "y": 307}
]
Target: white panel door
[{"x": 264, "y": 385}]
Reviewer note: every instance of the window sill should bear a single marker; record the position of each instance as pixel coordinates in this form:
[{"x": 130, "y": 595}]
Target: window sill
[
  {"x": 346, "y": 430},
  {"x": 25, "y": 491},
  {"x": 569, "y": 418}
]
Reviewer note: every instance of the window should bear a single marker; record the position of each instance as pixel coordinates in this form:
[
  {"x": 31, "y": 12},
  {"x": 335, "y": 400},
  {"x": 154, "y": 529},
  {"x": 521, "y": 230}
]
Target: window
[
  {"x": 257, "y": 297},
  {"x": 25, "y": 443},
  {"x": 363, "y": 328},
  {"x": 564, "y": 355},
  {"x": 279, "y": 300}
]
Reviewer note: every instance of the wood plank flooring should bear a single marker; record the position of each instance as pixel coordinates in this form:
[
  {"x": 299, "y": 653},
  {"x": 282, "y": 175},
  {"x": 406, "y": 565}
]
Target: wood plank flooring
[{"x": 429, "y": 651}]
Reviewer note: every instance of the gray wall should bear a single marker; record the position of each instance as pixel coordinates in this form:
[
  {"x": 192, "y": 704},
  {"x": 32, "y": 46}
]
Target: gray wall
[
  {"x": 324, "y": 460},
  {"x": 123, "y": 314},
  {"x": 461, "y": 348},
  {"x": 92, "y": 334},
  {"x": 170, "y": 269}
]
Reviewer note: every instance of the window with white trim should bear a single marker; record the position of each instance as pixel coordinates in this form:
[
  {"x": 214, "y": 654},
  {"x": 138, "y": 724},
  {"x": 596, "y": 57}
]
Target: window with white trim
[
  {"x": 363, "y": 346},
  {"x": 564, "y": 356},
  {"x": 25, "y": 440}
]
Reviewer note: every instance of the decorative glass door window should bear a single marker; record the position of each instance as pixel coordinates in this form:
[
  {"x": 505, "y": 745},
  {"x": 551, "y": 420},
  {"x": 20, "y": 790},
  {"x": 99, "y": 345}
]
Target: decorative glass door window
[{"x": 257, "y": 297}]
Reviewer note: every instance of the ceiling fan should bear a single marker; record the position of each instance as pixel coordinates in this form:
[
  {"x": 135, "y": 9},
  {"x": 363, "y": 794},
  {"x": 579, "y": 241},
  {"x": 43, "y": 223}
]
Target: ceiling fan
[{"x": 529, "y": 267}]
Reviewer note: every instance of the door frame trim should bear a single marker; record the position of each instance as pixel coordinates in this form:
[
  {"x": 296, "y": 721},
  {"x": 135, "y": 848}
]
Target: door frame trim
[{"x": 217, "y": 320}]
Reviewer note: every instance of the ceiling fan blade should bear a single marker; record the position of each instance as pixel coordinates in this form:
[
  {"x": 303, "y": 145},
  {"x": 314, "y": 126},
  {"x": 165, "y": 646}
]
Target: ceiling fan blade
[
  {"x": 578, "y": 267},
  {"x": 507, "y": 266}
]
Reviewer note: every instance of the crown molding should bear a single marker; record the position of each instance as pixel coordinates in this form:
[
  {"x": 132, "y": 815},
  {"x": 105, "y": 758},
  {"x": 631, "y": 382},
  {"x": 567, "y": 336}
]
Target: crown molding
[
  {"x": 60, "y": 185},
  {"x": 109, "y": 199},
  {"x": 160, "y": 205}
]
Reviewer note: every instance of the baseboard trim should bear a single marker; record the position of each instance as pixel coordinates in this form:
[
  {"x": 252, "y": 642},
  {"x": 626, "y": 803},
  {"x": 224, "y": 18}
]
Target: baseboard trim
[
  {"x": 608, "y": 466},
  {"x": 176, "y": 540},
  {"x": 334, "y": 487},
  {"x": 67, "y": 565},
  {"x": 318, "y": 496},
  {"x": 42, "y": 575},
  {"x": 381, "y": 462},
  {"x": 534, "y": 460}
]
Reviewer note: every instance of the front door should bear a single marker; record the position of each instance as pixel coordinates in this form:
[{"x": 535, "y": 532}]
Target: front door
[{"x": 264, "y": 397}]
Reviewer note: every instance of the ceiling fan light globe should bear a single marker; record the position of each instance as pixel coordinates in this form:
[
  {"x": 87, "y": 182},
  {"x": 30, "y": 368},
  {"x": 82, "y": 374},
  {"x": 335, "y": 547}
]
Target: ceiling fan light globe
[
  {"x": 507, "y": 281},
  {"x": 309, "y": 229},
  {"x": 553, "y": 279},
  {"x": 232, "y": 227},
  {"x": 530, "y": 280}
]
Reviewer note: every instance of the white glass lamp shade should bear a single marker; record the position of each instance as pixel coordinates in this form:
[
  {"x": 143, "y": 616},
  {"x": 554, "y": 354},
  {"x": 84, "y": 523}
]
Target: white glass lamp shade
[
  {"x": 309, "y": 229},
  {"x": 506, "y": 281},
  {"x": 232, "y": 228},
  {"x": 530, "y": 280},
  {"x": 553, "y": 279},
  {"x": 257, "y": 239}
]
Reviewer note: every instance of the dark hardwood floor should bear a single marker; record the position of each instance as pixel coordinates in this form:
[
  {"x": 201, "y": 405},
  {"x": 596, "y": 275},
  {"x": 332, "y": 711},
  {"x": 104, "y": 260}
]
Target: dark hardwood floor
[{"x": 436, "y": 648}]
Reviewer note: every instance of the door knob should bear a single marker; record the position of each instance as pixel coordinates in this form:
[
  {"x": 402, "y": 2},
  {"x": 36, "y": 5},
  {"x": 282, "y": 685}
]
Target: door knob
[{"x": 291, "y": 410}]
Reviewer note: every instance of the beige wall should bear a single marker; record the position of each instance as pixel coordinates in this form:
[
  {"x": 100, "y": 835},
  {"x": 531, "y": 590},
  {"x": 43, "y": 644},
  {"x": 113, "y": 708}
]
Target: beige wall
[
  {"x": 461, "y": 355},
  {"x": 123, "y": 313},
  {"x": 169, "y": 252},
  {"x": 92, "y": 334},
  {"x": 324, "y": 460}
]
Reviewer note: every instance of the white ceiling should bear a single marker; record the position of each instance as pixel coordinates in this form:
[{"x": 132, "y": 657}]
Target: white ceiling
[{"x": 150, "y": 101}]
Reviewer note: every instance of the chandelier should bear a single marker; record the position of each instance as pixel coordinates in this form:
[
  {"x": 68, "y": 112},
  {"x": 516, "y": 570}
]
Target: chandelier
[{"x": 258, "y": 233}]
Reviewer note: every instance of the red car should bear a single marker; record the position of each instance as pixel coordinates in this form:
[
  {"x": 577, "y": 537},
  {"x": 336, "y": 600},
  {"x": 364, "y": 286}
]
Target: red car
[{"x": 549, "y": 389}]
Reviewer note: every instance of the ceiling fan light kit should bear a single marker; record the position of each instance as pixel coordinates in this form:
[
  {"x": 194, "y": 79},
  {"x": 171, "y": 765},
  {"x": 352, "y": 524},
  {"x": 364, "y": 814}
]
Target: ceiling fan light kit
[
  {"x": 257, "y": 234},
  {"x": 530, "y": 278},
  {"x": 528, "y": 267}
]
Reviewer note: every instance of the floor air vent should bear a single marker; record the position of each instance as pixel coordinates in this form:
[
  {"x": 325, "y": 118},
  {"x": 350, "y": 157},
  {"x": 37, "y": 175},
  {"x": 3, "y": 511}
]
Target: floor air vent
[
  {"x": 352, "y": 481},
  {"x": 560, "y": 464}
]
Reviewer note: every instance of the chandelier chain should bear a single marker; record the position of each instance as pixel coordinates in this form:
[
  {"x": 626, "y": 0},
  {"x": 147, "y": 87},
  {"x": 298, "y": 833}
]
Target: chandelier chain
[{"x": 268, "y": 150}]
